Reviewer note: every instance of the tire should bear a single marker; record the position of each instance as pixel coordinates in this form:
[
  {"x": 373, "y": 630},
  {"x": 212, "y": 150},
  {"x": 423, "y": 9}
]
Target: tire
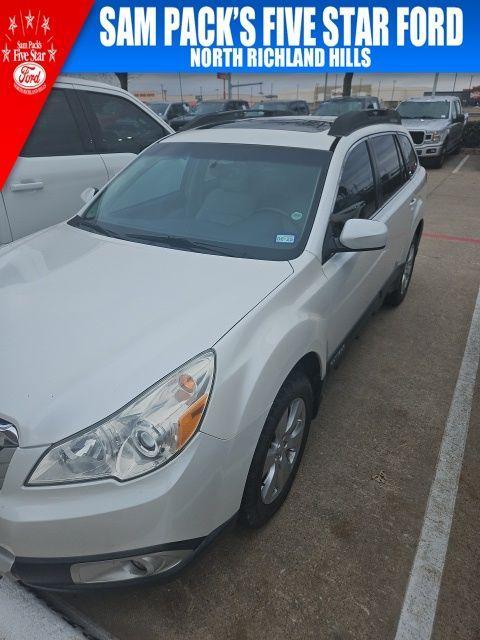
[
  {"x": 456, "y": 149},
  {"x": 397, "y": 295},
  {"x": 438, "y": 162},
  {"x": 276, "y": 462}
]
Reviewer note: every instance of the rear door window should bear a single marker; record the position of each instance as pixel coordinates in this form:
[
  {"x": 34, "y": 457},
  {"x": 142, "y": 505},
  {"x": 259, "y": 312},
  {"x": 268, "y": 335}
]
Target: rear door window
[
  {"x": 56, "y": 132},
  {"x": 119, "y": 125},
  {"x": 389, "y": 165}
]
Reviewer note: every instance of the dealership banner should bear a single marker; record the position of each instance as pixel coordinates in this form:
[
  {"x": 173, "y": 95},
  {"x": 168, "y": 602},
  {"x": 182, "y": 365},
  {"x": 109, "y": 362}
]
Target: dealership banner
[
  {"x": 41, "y": 38},
  {"x": 277, "y": 36}
]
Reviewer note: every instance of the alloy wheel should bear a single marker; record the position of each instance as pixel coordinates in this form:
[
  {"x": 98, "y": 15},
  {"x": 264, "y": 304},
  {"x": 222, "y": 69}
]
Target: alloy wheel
[
  {"x": 283, "y": 450},
  {"x": 408, "y": 268}
]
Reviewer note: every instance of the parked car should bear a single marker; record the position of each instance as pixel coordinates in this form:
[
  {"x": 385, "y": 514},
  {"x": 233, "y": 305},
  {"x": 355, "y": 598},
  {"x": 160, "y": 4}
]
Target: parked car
[
  {"x": 331, "y": 109},
  {"x": 208, "y": 107},
  {"x": 436, "y": 125},
  {"x": 169, "y": 110},
  {"x": 164, "y": 351},
  {"x": 86, "y": 132},
  {"x": 295, "y": 107}
]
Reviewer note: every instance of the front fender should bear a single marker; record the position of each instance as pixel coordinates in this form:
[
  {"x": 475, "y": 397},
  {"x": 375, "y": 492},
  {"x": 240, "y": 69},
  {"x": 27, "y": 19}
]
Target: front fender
[{"x": 256, "y": 356}]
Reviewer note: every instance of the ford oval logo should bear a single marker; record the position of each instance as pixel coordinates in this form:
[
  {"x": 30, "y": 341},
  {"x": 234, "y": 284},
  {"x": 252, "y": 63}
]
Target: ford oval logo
[{"x": 29, "y": 77}]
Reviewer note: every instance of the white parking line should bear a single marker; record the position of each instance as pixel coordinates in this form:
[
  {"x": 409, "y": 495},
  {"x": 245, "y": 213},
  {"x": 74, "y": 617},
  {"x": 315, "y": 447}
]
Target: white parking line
[
  {"x": 460, "y": 164},
  {"x": 25, "y": 617},
  {"x": 420, "y": 603}
]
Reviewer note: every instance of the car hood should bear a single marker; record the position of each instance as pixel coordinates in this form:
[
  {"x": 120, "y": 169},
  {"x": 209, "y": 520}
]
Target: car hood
[
  {"x": 426, "y": 124},
  {"x": 89, "y": 322}
]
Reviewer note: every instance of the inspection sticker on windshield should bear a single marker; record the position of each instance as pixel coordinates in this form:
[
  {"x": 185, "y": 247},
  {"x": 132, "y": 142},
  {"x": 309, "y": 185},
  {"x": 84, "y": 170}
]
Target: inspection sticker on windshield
[{"x": 285, "y": 238}]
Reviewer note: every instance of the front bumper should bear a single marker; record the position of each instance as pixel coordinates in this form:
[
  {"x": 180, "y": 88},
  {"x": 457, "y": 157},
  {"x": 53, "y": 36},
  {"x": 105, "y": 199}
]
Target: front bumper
[
  {"x": 161, "y": 563},
  {"x": 429, "y": 150},
  {"x": 47, "y": 533}
]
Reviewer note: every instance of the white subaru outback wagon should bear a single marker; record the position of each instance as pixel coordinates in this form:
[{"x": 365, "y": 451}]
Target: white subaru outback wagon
[{"x": 162, "y": 353}]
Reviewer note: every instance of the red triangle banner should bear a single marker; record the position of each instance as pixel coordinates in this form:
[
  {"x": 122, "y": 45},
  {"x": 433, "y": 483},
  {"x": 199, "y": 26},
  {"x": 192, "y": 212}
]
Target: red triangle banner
[{"x": 35, "y": 40}]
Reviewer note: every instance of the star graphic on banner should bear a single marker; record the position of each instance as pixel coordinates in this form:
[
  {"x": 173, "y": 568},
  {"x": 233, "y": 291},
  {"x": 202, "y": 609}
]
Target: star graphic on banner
[
  {"x": 6, "y": 53},
  {"x": 45, "y": 24},
  {"x": 13, "y": 24},
  {"x": 52, "y": 52},
  {"x": 29, "y": 18}
]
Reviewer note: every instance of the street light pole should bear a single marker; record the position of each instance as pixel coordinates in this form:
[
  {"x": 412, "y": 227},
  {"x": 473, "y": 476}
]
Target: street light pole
[
  {"x": 325, "y": 87},
  {"x": 435, "y": 83},
  {"x": 180, "y": 83}
]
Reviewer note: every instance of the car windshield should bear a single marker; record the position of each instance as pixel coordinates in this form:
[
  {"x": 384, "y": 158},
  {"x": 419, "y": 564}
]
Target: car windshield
[
  {"x": 207, "y": 107},
  {"x": 158, "y": 107},
  {"x": 424, "y": 110},
  {"x": 338, "y": 107},
  {"x": 243, "y": 200}
]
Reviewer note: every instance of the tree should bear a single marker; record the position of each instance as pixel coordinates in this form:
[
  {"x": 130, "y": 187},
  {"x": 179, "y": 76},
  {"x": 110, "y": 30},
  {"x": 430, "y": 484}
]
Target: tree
[
  {"x": 347, "y": 84},
  {"x": 123, "y": 79}
]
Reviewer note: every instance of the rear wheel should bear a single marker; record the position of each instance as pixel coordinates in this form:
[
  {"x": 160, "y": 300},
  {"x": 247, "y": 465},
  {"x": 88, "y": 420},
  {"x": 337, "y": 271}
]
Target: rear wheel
[{"x": 278, "y": 453}]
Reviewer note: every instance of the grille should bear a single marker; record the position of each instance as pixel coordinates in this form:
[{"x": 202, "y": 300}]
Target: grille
[{"x": 418, "y": 136}]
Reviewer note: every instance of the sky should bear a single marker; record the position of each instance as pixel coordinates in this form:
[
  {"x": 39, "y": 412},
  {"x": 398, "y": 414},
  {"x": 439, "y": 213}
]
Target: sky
[{"x": 287, "y": 85}]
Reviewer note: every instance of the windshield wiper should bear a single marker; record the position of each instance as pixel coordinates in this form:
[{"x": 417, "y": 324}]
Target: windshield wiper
[
  {"x": 90, "y": 225},
  {"x": 177, "y": 242}
]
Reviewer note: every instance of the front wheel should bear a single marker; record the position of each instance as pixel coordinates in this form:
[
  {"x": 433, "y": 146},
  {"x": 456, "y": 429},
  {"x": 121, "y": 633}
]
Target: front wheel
[
  {"x": 438, "y": 162},
  {"x": 395, "y": 297},
  {"x": 278, "y": 453}
]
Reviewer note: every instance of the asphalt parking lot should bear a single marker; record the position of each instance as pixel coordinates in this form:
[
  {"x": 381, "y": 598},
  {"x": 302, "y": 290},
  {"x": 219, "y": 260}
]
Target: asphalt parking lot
[{"x": 335, "y": 562}]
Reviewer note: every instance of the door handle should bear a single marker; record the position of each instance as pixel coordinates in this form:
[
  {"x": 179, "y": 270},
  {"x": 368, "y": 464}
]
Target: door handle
[
  {"x": 27, "y": 186},
  {"x": 413, "y": 202}
]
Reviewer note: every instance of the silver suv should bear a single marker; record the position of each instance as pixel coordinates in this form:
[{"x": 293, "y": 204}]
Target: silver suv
[{"x": 436, "y": 125}]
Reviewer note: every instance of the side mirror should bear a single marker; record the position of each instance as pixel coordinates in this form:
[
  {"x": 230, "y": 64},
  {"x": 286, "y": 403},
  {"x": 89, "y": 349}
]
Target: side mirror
[
  {"x": 88, "y": 193},
  {"x": 360, "y": 234},
  {"x": 345, "y": 214}
]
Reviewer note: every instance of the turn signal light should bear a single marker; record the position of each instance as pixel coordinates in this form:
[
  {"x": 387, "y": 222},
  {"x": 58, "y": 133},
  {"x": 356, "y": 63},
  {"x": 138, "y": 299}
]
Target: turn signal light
[{"x": 190, "y": 419}]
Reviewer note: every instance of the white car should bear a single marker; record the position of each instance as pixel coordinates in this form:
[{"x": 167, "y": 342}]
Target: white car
[
  {"x": 163, "y": 352},
  {"x": 85, "y": 134}
]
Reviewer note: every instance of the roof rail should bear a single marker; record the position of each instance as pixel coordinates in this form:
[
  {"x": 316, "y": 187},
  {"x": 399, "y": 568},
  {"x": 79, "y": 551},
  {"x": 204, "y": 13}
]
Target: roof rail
[
  {"x": 212, "y": 119},
  {"x": 353, "y": 120}
]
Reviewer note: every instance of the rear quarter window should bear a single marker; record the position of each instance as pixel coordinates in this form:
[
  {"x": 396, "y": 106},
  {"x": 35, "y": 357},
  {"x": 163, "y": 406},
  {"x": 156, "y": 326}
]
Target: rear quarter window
[
  {"x": 119, "y": 125},
  {"x": 409, "y": 155}
]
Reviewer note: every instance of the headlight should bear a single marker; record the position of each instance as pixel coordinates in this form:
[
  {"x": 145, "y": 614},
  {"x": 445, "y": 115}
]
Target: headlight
[
  {"x": 437, "y": 136},
  {"x": 139, "y": 438}
]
